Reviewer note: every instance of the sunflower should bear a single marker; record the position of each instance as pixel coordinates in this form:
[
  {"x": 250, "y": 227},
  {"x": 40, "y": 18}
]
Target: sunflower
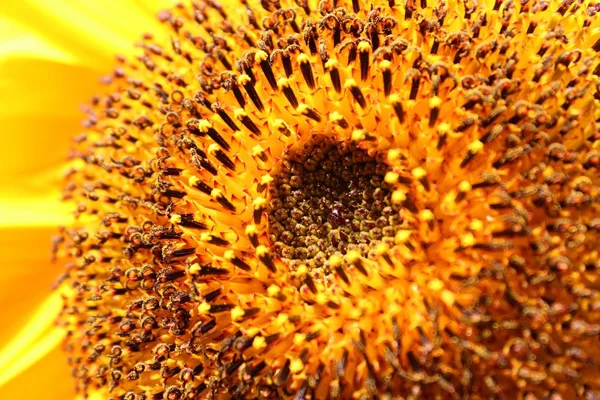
[{"x": 340, "y": 199}]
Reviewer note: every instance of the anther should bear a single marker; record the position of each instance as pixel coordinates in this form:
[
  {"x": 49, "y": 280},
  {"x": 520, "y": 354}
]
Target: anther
[
  {"x": 355, "y": 259},
  {"x": 259, "y": 153},
  {"x": 463, "y": 188},
  {"x": 309, "y": 112},
  {"x": 414, "y": 76},
  {"x": 364, "y": 55},
  {"x": 259, "y": 204},
  {"x": 282, "y": 127},
  {"x": 421, "y": 175},
  {"x": 442, "y": 130},
  {"x": 207, "y": 237},
  {"x": 217, "y": 195},
  {"x": 332, "y": 66},
  {"x": 220, "y": 155},
  {"x": 182, "y": 252},
  {"x": 434, "y": 106},
  {"x": 263, "y": 59},
  {"x": 246, "y": 82},
  {"x": 473, "y": 149},
  {"x": 246, "y": 121},
  {"x": 263, "y": 255},
  {"x": 394, "y": 99},
  {"x": 386, "y": 68},
  {"x": 194, "y": 181},
  {"x": 214, "y": 135},
  {"x": 188, "y": 221},
  {"x": 338, "y": 119},
  {"x": 252, "y": 233},
  {"x": 284, "y": 85},
  {"x": 306, "y": 69},
  {"x": 356, "y": 92}
]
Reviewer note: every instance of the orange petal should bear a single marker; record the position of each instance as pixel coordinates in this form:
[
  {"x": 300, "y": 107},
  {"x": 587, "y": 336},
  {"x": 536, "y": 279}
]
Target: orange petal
[
  {"x": 19, "y": 41},
  {"x": 26, "y": 276},
  {"x": 48, "y": 88},
  {"x": 33, "y": 211},
  {"x": 19, "y": 359},
  {"x": 153, "y": 6},
  {"x": 49, "y": 379},
  {"x": 90, "y": 31},
  {"x": 40, "y": 112}
]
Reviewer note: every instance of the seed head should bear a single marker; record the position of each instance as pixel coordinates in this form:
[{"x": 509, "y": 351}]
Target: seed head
[{"x": 385, "y": 199}]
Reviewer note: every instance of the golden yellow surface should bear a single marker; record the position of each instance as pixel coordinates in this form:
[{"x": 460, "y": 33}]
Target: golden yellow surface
[{"x": 486, "y": 115}]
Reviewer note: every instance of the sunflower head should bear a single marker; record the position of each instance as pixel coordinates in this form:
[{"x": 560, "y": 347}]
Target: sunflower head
[{"x": 342, "y": 200}]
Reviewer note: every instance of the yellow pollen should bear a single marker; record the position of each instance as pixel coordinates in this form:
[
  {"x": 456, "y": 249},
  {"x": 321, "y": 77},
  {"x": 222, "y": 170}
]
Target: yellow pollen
[
  {"x": 194, "y": 269},
  {"x": 398, "y": 196},
  {"x": 391, "y": 177},
  {"x": 237, "y": 313},
  {"x": 464, "y": 186},
  {"x": 467, "y": 240},
  {"x": 393, "y": 156},
  {"x": 203, "y": 308},
  {"x": 262, "y": 250},
  {"x": 273, "y": 290},
  {"x": 426, "y": 215},
  {"x": 243, "y": 79},
  {"x": 283, "y": 83},
  {"x": 444, "y": 127},
  {"x": 258, "y": 149},
  {"x": 435, "y": 102},
  {"x": 252, "y": 230},
  {"x": 358, "y": 135},
  {"x": 259, "y": 343},
  {"x": 204, "y": 125},
  {"x": 419, "y": 173},
  {"x": 475, "y": 146},
  {"x": 296, "y": 366},
  {"x": 239, "y": 113},
  {"x": 435, "y": 285},
  {"x": 385, "y": 64},
  {"x": 350, "y": 82},
  {"x": 266, "y": 179},
  {"x": 335, "y": 116},
  {"x": 261, "y": 56},
  {"x": 335, "y": 260},
  {"x": 193, "y": 180},
  {"x": 330, "y": 64},
  {"x": 299, "y": 338},
  {"x": 476, "y": 225},
  {"x": 259, "y": 203},
  {"x": 402, "y": 236}
]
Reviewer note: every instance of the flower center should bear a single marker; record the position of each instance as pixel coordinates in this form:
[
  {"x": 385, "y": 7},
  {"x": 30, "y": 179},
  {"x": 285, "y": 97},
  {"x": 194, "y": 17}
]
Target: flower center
[{"x": 328, "y": 198}]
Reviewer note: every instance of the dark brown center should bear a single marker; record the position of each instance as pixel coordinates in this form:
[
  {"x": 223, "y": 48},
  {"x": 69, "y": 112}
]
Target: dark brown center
[{"x": 329, "y": 197}]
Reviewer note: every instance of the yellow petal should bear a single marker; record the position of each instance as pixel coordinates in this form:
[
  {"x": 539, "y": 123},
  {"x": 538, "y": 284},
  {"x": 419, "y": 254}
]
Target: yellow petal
[
  {"x": 48, "y": 88},
  {"x": 36, "y": 339},
  {"x": 39, "y": 113},
  {"x": 19, "y": 41},
  {"x": 26, "y": 276},
  {"x": 152, "y": 6},
  {"x": 33, "y": 211},
  {"x": 48, "y": 68},
  {"x": 31, "y": 354},
  {"x": 48, "y": 379},
  {"x": 90, "y": 31}
]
